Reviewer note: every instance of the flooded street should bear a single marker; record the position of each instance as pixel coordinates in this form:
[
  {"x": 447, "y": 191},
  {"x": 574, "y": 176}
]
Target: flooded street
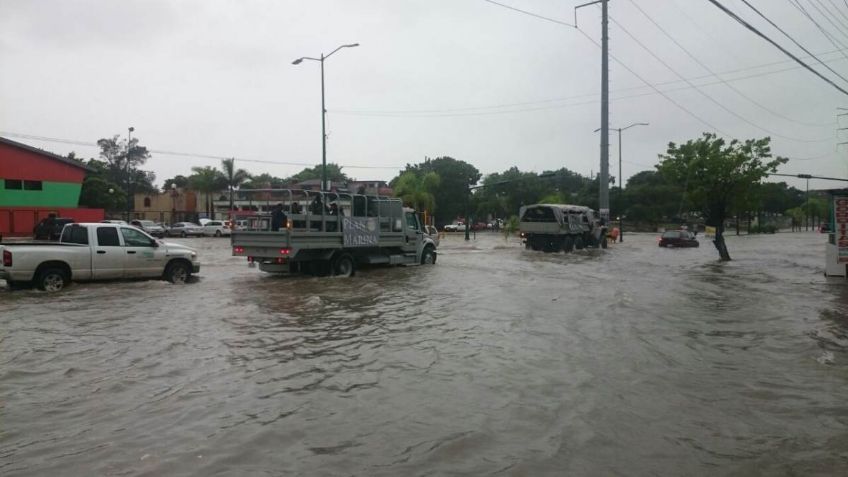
[{"x": 632, "y": 361}]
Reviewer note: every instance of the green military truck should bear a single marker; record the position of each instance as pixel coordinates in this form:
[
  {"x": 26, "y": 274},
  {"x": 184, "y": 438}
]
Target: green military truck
[
  {"x": 561, "y": 227},
  {"x": 329, "y": 233}
]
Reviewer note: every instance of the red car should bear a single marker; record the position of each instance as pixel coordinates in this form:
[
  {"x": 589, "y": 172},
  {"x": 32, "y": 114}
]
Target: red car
[{"x": 678, "y": 238}]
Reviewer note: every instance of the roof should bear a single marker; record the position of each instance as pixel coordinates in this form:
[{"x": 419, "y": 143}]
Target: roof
[{"x": 44, "y": 153}]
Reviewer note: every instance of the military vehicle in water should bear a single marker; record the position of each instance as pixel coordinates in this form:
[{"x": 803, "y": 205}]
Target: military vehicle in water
[{"x": 555, "y": 227}]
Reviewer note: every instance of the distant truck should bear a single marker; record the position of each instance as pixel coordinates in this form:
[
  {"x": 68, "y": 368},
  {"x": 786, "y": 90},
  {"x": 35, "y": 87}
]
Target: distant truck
[
  {"x": 95, "y": 251},
  {"x": 328, "y": 233},
  {"x": 561, "y": 227}
]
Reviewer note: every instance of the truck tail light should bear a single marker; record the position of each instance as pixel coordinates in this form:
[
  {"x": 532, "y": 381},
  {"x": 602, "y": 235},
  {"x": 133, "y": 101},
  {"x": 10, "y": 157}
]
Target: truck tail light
[
  {"x": 285, "y": 251},
  {"x": 7, "y": 258},
  {"x": 238, "y": 250}
]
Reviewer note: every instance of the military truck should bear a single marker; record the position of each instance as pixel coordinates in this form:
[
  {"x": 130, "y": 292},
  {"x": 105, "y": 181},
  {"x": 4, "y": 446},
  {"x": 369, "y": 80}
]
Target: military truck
[
  {"x": 328, "y": 233},
  {"x": 565, "y": 227}
]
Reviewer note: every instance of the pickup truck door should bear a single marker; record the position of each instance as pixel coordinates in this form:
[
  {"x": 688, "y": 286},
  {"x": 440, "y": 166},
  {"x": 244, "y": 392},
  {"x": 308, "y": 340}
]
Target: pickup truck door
[
  {"x": 107, "y": 255},
  {"x": 142, "y": 255}
]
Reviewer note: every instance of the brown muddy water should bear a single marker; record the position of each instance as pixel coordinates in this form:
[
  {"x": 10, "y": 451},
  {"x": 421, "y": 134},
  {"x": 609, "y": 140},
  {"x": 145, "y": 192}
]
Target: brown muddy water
[{"x": 632, "y": 361}]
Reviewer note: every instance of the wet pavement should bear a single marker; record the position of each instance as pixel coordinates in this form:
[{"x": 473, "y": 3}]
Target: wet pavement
[{"x": 632, "y": 361}]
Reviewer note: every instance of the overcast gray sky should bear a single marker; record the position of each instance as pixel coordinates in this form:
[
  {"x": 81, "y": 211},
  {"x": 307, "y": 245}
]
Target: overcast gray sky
[{"x": 463, "y": 78}]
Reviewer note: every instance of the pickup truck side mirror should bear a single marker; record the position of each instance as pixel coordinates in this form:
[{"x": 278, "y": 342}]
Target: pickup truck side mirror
[{"x": 154, "y": 244}]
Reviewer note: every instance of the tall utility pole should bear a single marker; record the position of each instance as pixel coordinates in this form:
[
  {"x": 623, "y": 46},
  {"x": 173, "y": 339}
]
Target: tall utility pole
[
  {"x": 603, "y": 180},
  {"x": 129, "y": 149},
  {"x": 324, "y": 184}
]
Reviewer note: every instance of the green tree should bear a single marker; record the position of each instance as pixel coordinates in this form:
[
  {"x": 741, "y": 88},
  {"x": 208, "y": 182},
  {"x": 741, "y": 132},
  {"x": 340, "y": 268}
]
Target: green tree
[
  {"x": 99, "y": 193},
  {"x": 123, "y": 160},
  {"x": 715, "y": 173},
  {"x": 334, "y": 174},
  {"x": 451, "y": 194},
  {"x": 233, "y": 177},
  {"x": 207, "y": 180},
  {"x": 180, "y": 181},
  {"x": 264, "y": 181},
  {"x": 417, "y": 191}
]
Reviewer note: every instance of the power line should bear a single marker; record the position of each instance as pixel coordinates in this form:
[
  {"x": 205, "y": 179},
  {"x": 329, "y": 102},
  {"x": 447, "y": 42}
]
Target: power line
[
  {"x": 836, "y": 8},
  {"x": 710, "y": 98},
  {"x": 821, "y": 29},
  {"x": 787, "y": 35},
  {"x": 183, "y": 154},
  {"x": 476, "y": 110},
  {"x": 709, "y": 70},
  {"x": 531, "y": 14},
  {"x": 787, "y": 53},
  {"x": 828, "y": 16},
  {"x": 672, "y": 101}
]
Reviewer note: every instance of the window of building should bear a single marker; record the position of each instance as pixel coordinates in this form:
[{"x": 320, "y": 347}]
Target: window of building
[
  {"x": 147, "y": 201},
  {"x": 14, "y": 184},
  {"x": 32, "y": 185}
]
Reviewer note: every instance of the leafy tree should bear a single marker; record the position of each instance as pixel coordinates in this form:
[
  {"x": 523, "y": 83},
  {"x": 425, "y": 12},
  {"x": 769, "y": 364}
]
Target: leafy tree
[
  {"x": 99, "y": 193},
  {"x": 714, "y": 174},
  {"x": 334, "y": 174},
  {"x": 180, "y": 181},
  {"x": 451, "y": 194},
  {"x": 233, "y": 178},
  {"x": 207, "y": 180},
  {"x": 417, "y": 191},
  {"x": 122, "y": 160},
  {"x": 264, "y": 181}
]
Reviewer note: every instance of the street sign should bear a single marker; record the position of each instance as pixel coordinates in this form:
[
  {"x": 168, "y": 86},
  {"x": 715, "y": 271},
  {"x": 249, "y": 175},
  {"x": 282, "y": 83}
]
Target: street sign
[{"x": 840, "y": 216}]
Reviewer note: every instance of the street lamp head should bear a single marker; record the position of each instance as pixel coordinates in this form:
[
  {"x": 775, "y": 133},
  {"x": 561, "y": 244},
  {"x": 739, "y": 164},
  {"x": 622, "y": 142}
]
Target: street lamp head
[
  {"x": 297, "y": 61},
  {"x": 131, "y": 129}
]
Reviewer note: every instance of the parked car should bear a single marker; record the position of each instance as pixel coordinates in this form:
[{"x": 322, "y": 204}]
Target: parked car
[
  {"x": 678, "y": 238},
  {"x": 216, "y": 228},
  {"x": 150, "y": 227},
  {"x": 50, "y": 228},
  {"x": 96, "y": 251},
  {"x": 433, "y": 233},
  {"x": 185, "y": 229},
  {"x": 455, "y": 227}
]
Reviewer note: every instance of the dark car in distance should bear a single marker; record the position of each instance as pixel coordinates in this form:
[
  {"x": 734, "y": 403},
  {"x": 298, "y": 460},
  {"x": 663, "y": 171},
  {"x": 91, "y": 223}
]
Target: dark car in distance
[{"x": 678, "y": 238}]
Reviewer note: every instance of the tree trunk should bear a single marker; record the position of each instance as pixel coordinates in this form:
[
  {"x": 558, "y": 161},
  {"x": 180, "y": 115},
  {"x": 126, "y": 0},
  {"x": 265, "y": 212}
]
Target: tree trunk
[
  {"x": 737, "y": 225},
  {"x": 723, "y": 254},
  {"x": 749, "y": 223}
]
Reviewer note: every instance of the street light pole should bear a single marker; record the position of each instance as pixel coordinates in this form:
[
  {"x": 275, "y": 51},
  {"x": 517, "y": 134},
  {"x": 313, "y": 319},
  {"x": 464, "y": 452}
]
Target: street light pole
[
  {"x": 129, "y": 149},
  {"x": 324, "y": 183},
  {"x": 621, "y": 179}
]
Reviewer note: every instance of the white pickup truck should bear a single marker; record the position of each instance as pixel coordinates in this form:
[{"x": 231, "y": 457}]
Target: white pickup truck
[{"x": 95, "y": 251}]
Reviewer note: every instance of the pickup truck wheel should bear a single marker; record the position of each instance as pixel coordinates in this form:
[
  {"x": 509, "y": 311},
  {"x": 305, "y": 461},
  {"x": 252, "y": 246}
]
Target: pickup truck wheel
[
  {"x": 177, "y": 272},
  {"x": 344, "y": 266},
  {"x": 52, "y": 280},
  {"x": 428, "y": 257}
]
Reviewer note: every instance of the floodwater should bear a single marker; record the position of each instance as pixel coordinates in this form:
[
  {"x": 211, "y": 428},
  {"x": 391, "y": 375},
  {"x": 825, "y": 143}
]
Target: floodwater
[{"x": 632, "y": 361}]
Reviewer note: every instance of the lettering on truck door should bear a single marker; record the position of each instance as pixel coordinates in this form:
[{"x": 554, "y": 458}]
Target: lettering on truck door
[
  {"x": 141, "y": 259},
  {"x": 107, "y": 257}
]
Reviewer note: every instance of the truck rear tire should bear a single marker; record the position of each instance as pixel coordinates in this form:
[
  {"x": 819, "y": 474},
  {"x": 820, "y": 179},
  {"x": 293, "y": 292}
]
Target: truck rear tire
[
  {"x": 568, "y": 244},
  {"x": 344, "y": 266},
  {"x": 52, "y": 280},
  {"x": 578, "y": 243}
]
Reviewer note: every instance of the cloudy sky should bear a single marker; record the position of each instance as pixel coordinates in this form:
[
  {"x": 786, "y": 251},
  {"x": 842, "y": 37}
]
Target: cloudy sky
[{"x": 466, "y": 78}]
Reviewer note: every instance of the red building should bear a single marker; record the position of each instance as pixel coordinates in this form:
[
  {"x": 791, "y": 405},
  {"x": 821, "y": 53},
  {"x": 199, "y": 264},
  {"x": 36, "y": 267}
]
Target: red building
[{"x": 35, "y": 183}]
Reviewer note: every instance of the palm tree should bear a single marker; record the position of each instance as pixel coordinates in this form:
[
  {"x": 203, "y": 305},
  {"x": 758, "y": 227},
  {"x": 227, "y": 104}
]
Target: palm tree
[
  {"x": 417, "y": 190},
  {"x": 234, "y": 178},
  {"x": 207, "y": 180}
]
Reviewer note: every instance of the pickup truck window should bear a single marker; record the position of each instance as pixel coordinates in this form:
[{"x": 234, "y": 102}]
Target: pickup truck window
[
  {"x": 107, "y": 237},
  {"x": 75, "y": 235},
  {"x": 134, "y": 238}
]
